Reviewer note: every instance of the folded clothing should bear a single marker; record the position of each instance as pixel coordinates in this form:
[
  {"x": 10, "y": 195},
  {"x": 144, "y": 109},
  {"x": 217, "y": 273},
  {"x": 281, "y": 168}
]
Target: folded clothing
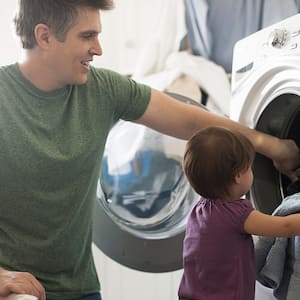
[{"x": 19, "y": 297}]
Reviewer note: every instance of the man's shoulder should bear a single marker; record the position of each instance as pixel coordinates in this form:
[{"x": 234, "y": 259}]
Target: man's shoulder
[
  {"x": 106, "y": 77},
  {"x": 96, "y": 71},
  {"x": 9, "y": 75},
  {"x": 5, "y": 69}
]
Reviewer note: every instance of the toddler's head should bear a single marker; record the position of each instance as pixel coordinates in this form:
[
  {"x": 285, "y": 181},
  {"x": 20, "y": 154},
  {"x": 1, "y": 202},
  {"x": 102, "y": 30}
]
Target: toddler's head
[{"x": 213, "y": 157}]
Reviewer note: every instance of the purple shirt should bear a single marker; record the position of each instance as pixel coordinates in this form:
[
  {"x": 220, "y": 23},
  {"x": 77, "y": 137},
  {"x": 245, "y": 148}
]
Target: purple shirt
[{"x": 218, "y": 255}]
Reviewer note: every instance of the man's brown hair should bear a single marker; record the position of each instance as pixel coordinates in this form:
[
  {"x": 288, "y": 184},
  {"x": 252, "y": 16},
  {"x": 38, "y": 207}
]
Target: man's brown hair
[{"x": 59, "y": 15}]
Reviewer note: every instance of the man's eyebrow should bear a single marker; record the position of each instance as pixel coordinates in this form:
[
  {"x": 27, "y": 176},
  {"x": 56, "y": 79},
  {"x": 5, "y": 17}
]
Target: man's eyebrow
[{"x": 90, "y": 32}]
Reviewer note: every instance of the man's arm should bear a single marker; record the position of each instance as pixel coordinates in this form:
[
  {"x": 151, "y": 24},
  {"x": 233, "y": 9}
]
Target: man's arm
[{"x": 172, "y": 117}]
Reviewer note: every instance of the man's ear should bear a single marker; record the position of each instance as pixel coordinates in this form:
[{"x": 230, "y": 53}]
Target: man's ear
[{"x": 42, "y": 35}]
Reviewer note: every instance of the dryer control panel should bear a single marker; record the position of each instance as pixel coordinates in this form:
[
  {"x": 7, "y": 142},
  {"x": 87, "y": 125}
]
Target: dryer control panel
[
  {"x": 250, "y": 53},
  {"x": 283, "y": 39}
]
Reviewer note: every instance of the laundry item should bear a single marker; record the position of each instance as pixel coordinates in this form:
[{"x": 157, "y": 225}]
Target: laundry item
[{"x": 278, "y": 259}]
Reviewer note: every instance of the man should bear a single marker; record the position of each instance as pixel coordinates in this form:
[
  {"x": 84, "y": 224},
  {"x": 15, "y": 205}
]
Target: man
[{"x": 55, "y": 113}]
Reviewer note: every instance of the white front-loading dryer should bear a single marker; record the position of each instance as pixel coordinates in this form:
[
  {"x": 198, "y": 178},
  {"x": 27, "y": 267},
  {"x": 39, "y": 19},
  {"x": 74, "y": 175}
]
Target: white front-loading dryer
[
  {"x": 143, "y": 198},
  {"x": 266, "y": 96}
]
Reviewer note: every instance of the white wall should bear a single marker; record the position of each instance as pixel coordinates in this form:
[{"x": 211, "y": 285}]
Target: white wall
[
  {"x": 121, "y": 283},
  {"x": 125, "y": 31},
  {"x": 10, "y": 49}
]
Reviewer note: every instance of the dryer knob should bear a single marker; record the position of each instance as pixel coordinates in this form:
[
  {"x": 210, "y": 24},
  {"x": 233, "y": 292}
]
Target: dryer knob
[{"x": 279, "y": 38}]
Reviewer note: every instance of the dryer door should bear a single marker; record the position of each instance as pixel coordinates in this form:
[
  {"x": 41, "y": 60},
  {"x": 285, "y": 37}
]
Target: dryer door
[
  {"x": 269, "y": 100},
  {"x": 266, "y": 96},
  {"x": 143, "y": 198},
  {"x": 280, "y": 118}
]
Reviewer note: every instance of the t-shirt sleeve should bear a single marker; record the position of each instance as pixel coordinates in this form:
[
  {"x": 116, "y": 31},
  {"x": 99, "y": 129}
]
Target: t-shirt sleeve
[
  {"x": 243, "y": 210},
  {"x": 128, "y": 99}
]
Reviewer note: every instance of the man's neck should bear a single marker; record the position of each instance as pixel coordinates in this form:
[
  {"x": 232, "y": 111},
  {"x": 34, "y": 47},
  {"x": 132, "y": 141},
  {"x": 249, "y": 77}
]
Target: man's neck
[{"x": 35, "y": 69}]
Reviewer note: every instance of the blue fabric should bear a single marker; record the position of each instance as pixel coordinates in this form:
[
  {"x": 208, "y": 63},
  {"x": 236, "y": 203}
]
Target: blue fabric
[
  {"x": 214, "y": 26},
  {"x": 95, "y": 296},
  {"x": 278, "y": 259}
]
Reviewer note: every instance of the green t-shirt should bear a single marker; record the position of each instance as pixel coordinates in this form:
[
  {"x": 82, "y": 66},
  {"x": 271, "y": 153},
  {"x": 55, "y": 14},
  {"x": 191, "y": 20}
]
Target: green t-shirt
[{"x": 50, "y": 155}]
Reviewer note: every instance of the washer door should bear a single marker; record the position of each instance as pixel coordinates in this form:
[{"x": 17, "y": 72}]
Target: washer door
[
  {"x": 280, "y": 118},
  {"x": 266, "y": 96},
  {"x": 143, "y": 198},
  {"x": 268, "y": 99}
]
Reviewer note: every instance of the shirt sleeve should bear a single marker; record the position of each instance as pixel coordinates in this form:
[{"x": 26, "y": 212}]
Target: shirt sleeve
[
  {"x": 243, "y": 210},
  {"x": 128, "y": 99}
]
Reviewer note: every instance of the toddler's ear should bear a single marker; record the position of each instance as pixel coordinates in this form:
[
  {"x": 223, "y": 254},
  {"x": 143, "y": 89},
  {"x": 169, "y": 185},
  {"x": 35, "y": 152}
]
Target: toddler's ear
[{"x": 237, "y": 178}]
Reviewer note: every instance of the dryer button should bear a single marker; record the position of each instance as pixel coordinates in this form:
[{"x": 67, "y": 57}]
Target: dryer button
[{"x": 279, "y": 38}]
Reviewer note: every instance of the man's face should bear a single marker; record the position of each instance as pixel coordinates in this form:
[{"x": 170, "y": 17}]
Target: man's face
[{"x": 69, "y": 60}]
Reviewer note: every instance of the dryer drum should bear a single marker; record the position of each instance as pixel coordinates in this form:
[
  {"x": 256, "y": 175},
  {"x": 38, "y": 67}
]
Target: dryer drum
[{"x": 280, "y": 118}]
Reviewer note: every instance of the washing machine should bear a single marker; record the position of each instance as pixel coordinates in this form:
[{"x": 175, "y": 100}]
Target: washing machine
[
  {"x": 266, "y": 96},
  {"x": 143, "y": 198}
]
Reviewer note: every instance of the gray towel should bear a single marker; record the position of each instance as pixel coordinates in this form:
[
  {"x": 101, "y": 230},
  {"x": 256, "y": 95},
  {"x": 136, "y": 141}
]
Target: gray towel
[{"x": 278, "y": 259}]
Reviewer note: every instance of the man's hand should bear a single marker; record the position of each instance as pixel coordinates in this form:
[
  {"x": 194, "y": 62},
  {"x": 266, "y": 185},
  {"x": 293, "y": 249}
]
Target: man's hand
[
  {"x": 288, "y": 159},
  {"x": 20, "y": 283}
]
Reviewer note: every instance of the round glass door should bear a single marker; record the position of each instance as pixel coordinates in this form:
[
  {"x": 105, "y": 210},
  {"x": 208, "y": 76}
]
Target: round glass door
[
  {"x": 143, "y": 198},
  {"x": 280, "y": 118}
]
